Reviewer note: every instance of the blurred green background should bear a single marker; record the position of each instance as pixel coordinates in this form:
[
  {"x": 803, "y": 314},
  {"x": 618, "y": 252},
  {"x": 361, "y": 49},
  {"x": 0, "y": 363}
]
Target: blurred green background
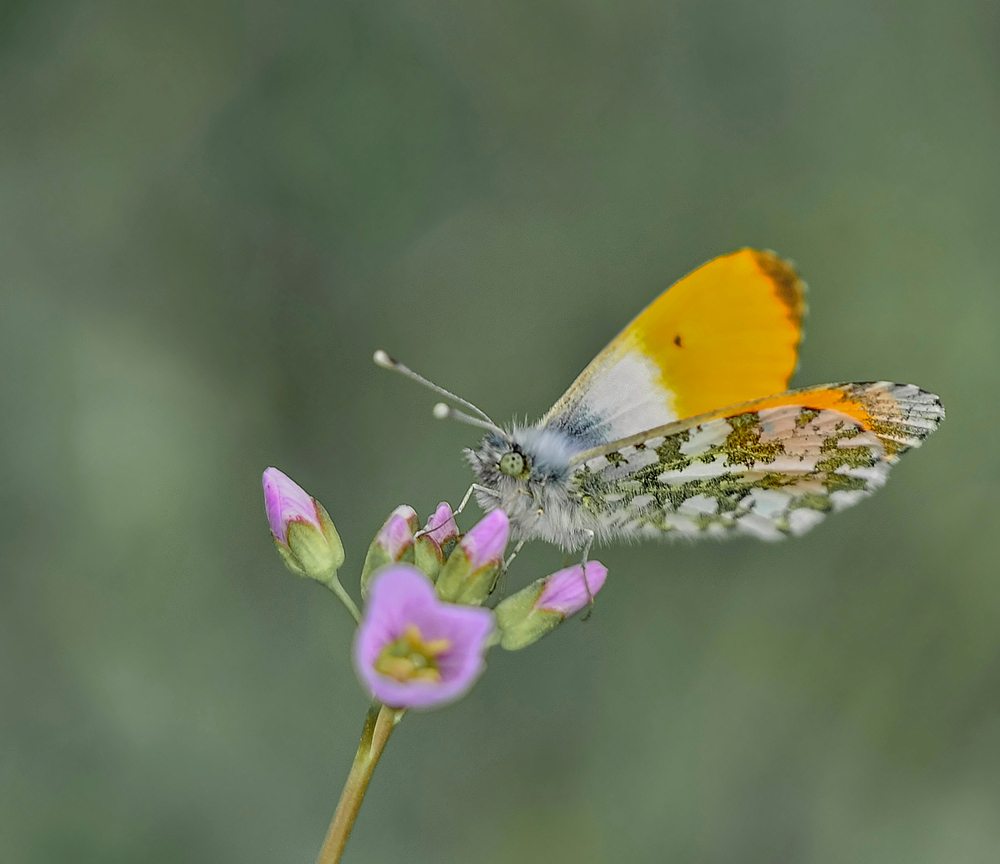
[{"x": 212, "y": 212}]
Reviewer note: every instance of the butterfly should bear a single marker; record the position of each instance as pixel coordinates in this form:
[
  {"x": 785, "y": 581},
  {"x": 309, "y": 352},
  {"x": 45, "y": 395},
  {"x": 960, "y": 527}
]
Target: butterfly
[{"x": 683, "y": 425}]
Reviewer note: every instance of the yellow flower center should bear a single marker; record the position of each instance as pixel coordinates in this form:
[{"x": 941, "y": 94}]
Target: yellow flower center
[{"x": 410, "y": 658}]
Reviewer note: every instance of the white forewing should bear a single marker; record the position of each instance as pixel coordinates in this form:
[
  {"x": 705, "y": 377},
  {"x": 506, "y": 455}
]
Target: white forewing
[{"x": 618, "y": 395}]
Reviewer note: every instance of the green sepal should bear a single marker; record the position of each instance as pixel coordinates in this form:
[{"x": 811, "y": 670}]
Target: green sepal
[
  {"x": 427, "y": 555},
  {"x": 457, "y": 583},
  {"x": 312, "y": 551},
  {"x": 378, "y": 557},
  {"x": 332, "y": 536},
  {"x": 289, "y": 559},
  {"x": 520, "y": 623},
  {"x": 317, "y": 553}
]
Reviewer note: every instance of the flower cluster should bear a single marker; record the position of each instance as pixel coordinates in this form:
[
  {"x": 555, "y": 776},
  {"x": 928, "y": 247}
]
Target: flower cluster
[{"x": 424, "y": 632}]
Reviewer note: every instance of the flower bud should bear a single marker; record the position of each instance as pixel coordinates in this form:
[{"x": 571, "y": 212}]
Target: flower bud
[
  {"x": 436, "y": 540},
  {"x": 393, "y": 543},
  {"x": 530, "y": 614},
  {"x": 471, "y": 570},
  {"x": 302, "y": 530}
]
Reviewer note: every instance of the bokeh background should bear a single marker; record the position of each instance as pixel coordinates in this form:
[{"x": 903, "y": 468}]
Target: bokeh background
[{"x": 212, "y": 212}]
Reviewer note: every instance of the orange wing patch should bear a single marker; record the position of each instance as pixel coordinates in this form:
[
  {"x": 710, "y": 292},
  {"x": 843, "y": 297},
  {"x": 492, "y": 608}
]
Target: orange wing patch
[
  {"x": 727, "y": 333},
  {"x": 901, "y": 415}
]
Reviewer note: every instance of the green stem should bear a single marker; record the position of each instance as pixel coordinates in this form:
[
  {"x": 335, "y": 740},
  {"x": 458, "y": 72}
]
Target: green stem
[
  {"x": 379, "y": 724},
  {"x": 334, "y": 585}
]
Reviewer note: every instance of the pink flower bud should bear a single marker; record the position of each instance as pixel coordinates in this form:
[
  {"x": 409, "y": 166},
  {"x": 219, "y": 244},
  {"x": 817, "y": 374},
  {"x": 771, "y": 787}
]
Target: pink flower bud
[
  {"x": 285, "y": 501},
  {"x": 440, "y": 530},
  {"x": 396, "y": 536},
  {"x": 533, "y": 612},
  {"x": 486, "y": 541},
  {"x": 567, "y": 593},
  {"x": 441, "y": 527},
  {"x": 301, "y": 528},
  {"x": 394, "y": 542},
  {"x": 470, "y": 572}
]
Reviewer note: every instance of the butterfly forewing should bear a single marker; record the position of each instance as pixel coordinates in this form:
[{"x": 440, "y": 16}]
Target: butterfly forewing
[
  {"x": 769, "y": 468},
  {"x": 724, "y": 334}
]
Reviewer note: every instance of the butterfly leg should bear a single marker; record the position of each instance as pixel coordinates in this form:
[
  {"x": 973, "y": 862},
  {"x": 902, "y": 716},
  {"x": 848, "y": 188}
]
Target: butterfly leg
[
  {"x": 513, "y": 555},
  {"x": 475, "y": 487},
  {"x": 586, "y": 556},
  {"x": 501, "y": 581},
  {"x": 538, "y": 515},
  {"x": 502, "y": 576}
]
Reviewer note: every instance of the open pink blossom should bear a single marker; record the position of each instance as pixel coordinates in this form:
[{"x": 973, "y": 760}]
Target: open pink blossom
[{"x": 413, "y": 650}]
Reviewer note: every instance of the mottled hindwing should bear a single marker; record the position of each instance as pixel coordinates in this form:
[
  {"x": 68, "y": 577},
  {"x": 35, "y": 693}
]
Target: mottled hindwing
[{"x": 768, "y": 468}]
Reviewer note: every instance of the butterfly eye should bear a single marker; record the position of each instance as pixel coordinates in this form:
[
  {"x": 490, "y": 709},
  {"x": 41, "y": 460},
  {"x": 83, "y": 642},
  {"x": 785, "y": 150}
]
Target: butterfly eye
[{"x": 512, "y": 464}]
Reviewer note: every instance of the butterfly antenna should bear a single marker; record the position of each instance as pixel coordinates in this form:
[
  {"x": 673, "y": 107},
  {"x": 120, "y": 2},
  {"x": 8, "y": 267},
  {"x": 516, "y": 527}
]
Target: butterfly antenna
[
  {"x": 386, "y": 362},
  {"x": 444, "y": 412}
]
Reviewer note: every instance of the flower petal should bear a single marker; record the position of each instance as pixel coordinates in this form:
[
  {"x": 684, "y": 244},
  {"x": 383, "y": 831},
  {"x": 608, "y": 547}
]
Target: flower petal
[
  {"x": 285, "y": 501},
  {"x": 400, "y": 597},
  {"x": 487, "y": 539},
  {"x": 441, "y": 527},
  {"x": 566, "y": 592}
]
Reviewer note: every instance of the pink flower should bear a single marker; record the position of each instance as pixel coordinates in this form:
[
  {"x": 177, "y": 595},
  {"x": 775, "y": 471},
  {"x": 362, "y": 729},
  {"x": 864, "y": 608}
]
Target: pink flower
[
  {"x": 285, "y": 501},
  {"x": 567, "y": 593},
  {"x": 394, "y": 542},
  {"x": 471, "y": 569},
  {"x": 396, "y": 536},
  {"x": 301, "y": 527},
  {"x": 412, "y": 650},
  {"x": 429, "y": 546},
  {"x": 485, "y": 543},
  {"x": 533, "y": 612},
  {"x": 441, "y": 526}
]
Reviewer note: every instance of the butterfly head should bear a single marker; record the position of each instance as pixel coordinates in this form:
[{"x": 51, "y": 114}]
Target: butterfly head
[
  {"x": 515, "y": 464},
  {"x": 500, "y": 463},
  {"x": 526, "y": 471},
  {"x": 508, "y": 476},
  {"x": 522, "y": 458}
]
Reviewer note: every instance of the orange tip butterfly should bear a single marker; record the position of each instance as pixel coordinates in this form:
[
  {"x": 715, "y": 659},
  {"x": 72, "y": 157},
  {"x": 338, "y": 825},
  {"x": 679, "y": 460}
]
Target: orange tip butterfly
[{"x": 683, "y": 427}]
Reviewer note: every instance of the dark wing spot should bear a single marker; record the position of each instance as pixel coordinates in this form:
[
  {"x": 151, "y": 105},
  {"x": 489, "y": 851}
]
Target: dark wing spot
[
  {"x": 677, "y": 340},
  {"x": 787, "y": 286}
]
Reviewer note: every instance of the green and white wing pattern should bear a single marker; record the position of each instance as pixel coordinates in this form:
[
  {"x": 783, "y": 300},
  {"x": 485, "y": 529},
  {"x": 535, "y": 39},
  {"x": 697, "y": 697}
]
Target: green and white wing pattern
[{"x": 764, "y": 471}]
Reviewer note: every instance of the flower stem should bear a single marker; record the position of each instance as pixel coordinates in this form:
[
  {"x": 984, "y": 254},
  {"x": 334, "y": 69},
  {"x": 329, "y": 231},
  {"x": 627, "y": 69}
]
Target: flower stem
[
  {"x": 345, "y": 598},
  {"x": 379, "y": 724}
]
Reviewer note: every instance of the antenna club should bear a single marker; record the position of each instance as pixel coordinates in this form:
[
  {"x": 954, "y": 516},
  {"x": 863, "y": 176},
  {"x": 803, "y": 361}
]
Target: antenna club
[
  {"x": 442, "y": 411},
  {"x": 384, "y": 360}
]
